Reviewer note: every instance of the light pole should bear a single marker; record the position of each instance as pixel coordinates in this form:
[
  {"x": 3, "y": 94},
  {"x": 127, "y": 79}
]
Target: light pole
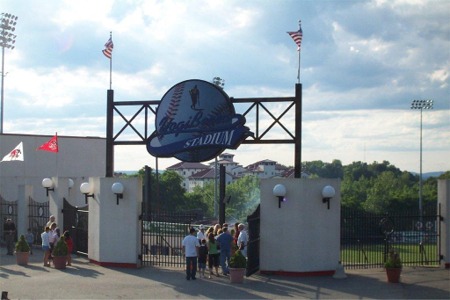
[
  {"x": 421, "y": 104},
  {"x": 7, "y": 40},
  {"x": 220, "y": 83}
]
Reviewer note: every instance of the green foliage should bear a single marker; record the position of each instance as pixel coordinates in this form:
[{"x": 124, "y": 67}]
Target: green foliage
[
  {"x": 61, "y": 248},
  {"x": 238, "y": 260},
  {"x": 381, "y": 188},
  {"x": 244, "y": 197},
  {"x": 393, "y": 260},
  {"x": 446, "y": 175},
  {"x": 22, "y": 245},
  {"x": 324, "y": 170},
  {"x": 375, "y": 187}
]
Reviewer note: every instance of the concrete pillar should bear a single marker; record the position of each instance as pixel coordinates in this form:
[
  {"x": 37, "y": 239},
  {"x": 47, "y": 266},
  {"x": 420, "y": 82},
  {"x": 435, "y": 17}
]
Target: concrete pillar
[
  {"x": 22, "y": 209},
  {"x": 444, "y": 204},
  {"x": 114, "y": 231}
]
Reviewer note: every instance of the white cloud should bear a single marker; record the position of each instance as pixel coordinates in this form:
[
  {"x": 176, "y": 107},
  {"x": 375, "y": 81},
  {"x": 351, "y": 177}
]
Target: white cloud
[{"x": 362, "y": 63}]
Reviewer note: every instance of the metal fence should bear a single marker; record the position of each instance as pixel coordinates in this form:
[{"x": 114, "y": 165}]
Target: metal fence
[
  {"x": 38, "y": 215},
  {"x": 76, "y": 220},
  {"x": 254, "y": 228},
  {"x": 366, "y": 238},
  {"x": 8, "y": 210},
  {"x": 162, "y": 235}
]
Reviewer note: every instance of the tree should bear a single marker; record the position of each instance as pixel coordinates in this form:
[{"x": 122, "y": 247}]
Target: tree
[{"x": 244, "y": 197}]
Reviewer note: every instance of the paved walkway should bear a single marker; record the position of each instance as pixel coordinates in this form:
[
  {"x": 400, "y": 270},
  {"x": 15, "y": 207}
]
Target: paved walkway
[{"x": 88, "y": 281}]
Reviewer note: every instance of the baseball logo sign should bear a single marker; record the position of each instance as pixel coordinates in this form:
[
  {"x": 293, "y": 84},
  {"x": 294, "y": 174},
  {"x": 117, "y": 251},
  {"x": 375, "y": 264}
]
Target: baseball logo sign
[{"x": 196, "y": 121}]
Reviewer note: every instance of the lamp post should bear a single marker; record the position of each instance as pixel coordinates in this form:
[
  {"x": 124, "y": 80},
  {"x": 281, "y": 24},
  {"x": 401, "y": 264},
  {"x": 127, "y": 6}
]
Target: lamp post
[
  {"x": 7, "y": 40},
  {"x": 421, "y": 104}
]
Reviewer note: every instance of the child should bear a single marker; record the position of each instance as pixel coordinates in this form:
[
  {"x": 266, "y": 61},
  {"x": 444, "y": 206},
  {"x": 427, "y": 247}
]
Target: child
[
  {"x": 46, "y": 246},
  {"x": 69, "y": 243},
  {"x": 30, "y": 240},
  {"x": 202, "y": 255}
]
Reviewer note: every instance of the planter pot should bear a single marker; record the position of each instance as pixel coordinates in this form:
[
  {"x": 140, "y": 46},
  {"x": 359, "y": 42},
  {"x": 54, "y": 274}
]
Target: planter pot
[
  {"x": 393, "y": 274},
  {"x": 59, "y": 262},
  {"x": 237, "y": 275},
  {"x": 22, "y": 258}
]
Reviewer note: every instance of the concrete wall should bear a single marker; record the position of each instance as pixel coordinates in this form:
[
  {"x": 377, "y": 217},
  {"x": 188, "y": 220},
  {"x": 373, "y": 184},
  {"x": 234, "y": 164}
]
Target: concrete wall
[
  {"x": 77, "y": 157},
  {"x": 303, "y": 236},
  {"x": 444, "y": 203}
]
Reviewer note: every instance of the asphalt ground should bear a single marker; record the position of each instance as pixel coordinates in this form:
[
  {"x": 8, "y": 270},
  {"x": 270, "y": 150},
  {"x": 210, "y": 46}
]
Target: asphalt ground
[{"x": 84, "y": 280}]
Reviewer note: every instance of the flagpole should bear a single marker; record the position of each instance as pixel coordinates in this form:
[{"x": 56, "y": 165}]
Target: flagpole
[
  {"x": 57, "y": 156},
  {"x": 299, "y": 52},
  {"x": 110, "y": 65}
]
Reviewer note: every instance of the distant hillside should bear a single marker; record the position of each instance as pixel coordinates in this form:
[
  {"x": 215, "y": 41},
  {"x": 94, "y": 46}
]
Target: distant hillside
[{"x": 429, "y": 174}]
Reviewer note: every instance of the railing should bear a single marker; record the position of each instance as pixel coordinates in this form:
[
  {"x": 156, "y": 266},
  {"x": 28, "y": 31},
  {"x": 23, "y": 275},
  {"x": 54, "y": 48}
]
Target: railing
[{"x": 366, "y": 239}]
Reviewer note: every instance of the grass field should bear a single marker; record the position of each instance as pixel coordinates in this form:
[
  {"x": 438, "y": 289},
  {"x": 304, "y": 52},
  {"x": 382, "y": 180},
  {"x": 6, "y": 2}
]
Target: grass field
[{"x": 373, "y": 254}]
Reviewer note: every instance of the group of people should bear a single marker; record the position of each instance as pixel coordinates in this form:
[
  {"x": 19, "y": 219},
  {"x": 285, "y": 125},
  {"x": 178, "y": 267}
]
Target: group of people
[
  {"x": 212, "y": 247},
  {"x": 49, "y": 238}
]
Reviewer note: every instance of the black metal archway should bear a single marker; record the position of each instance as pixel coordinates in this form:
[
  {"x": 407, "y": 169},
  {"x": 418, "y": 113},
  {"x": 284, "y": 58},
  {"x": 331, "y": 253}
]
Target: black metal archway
[{"x": 257, "y": 106}]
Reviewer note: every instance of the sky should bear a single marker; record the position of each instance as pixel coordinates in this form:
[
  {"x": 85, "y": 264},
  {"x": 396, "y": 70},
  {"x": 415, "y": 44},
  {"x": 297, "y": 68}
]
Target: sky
[{"x": 362, "y": 63}]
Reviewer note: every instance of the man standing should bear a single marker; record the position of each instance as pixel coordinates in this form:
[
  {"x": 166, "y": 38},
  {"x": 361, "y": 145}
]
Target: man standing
[
  {"x": 225, "y": 240},
  {"x": 242, "y": 239},
  {"x": 201, "y": 233},
  {"x": 9, "y": 229},
  {"x": 190, "y": 248},
  {"x": 51, "y": 220}
]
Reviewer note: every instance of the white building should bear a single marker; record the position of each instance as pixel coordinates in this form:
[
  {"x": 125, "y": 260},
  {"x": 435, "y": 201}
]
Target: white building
[{"x": 197, "y": 174}]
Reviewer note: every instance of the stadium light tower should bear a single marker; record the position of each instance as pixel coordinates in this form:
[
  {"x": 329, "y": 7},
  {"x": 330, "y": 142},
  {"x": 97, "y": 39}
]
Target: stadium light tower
[
  {"x": 7, "y": 40},
  {"x": 421, "y": 104}
]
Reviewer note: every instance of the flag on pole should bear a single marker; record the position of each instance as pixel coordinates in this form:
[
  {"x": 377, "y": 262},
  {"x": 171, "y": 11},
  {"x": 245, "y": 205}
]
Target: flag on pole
[
  {"x": 15, "y": 154},
  {"x": 51, "y": 145},
  {"x": 297, "y": 36},
  {"x": 108, "y": 48}
]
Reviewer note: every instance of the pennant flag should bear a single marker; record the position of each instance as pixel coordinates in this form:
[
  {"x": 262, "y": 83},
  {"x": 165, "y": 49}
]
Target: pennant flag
[
  {"x": 297, "y": 36},
  {"x": 51, "y": 145},
  {"x": 108, "y": 48},
  {"x": 15, "y": 154}
]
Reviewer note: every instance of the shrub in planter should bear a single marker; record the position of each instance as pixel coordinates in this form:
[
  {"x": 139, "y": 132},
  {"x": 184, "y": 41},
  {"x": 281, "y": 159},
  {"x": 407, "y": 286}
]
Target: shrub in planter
[
  {"x": 393, "y": 266},
  {"x": 238, "y": 260},
  {"x": 22, "y": 251},
  {"x": 238, "y": 265},
  {"x": 22, "y": 245},
  {"x": 60, "y": 254},
  {"x": 393, "y": 259}
]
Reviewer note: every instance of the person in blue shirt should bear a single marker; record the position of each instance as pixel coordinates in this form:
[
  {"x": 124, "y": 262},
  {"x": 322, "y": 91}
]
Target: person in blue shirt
[{"x": 225, "y": 241}]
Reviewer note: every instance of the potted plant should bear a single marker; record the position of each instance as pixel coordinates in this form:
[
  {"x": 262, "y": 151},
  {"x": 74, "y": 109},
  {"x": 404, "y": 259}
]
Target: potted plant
[
  {"x": 60, "y": 254},
  {"x": 393, "y": 266},
  {"x": 238, "y": 265},
  {"x": 22, "y": 251}
]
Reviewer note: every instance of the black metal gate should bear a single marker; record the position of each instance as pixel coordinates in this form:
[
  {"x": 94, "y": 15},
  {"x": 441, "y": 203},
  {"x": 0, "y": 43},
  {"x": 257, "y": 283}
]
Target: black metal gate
[
  {"x": 254, "y": 222},
  {"x": 76, "y": 221},
  {"x": 38, "y": 215},
  {"x": 8, "y": 210},
  {"x": 366, "y": 238},
  {"x": 162, "y": 234}
]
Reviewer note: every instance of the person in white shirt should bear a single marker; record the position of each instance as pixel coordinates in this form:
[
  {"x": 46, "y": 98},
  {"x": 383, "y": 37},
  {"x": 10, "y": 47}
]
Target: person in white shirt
[
  {"x": 190, "y": 248},
  {"x": 201, "y": 233},
  {"x": 46, "y": 246},
  {"x": 242, "y": 239}
]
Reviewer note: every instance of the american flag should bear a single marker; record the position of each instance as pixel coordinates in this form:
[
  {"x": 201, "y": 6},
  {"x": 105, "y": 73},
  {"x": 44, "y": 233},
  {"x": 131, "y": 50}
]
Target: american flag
[
  {"x": 108, "y": 48},
  {"x": 297, "y": 36}
]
